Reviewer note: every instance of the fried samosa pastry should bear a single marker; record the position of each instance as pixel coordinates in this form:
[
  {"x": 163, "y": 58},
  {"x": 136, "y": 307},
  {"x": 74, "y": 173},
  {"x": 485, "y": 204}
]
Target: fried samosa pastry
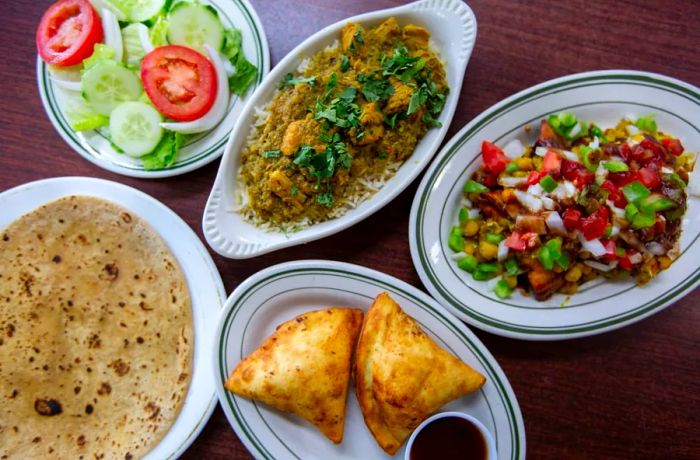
[
  {"x": 402, "y": 376},
  {"x": 304, "y": 368}
]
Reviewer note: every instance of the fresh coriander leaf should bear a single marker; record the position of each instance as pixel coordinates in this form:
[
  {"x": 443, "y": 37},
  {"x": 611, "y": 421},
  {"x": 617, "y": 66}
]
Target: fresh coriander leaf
[
  {"x": 290, "y": 81},
  {"x": 344, "y": 63},
  {"x": 418, "y": 98},
  {"x": 325, "y": 199},
  {"x": 391, "y": 121},
  {"x": 294, "y": 191},
  {"x": 377, "y": 89}
]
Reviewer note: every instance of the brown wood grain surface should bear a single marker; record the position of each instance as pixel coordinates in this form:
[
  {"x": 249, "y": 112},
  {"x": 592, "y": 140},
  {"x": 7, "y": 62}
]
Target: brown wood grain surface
[{"x": 632, "y": 393}]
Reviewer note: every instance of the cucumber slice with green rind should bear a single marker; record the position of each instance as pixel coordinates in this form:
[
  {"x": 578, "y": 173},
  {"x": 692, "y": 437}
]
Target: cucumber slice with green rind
[
  {"x": 134, "y": 127},
  {"x": 194, "y": 25},
  {"x": 107, "y": 84}
]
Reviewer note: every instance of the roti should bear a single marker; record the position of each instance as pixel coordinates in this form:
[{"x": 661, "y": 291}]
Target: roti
[{"x": 95, "y": 333}]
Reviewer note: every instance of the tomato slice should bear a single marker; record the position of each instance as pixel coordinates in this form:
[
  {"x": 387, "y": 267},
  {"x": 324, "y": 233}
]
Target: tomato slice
[
  {"x": 179, "y": 81},
  {"x": 495, "y": 160},
  {"x": 67, "y": 32}
]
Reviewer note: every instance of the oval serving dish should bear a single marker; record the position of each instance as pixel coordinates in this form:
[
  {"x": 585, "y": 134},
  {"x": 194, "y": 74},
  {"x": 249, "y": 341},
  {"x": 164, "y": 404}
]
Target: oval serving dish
[
  {"x": 453, "y": 28},
  {"x": 200, "y": 149},
  {"x": 603, "y": 97}
]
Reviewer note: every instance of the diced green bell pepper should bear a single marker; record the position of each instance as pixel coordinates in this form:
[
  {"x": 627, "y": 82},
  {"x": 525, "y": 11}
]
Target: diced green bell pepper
[
  {"x": 473, "y": 186},
  {"x": 468, "y": 263},
  {"x": 635, "y": 191},
  {"x": 455, "y": 240}
]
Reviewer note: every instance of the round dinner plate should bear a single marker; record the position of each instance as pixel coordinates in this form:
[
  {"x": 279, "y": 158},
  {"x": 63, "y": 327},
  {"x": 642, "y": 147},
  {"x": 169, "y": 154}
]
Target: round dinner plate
[
  {"x": 198, "y": 150},
  {"x": 203, "y": 280},
  {"x": 281, "y": 292},
  {"x": 603, "y": 97}
]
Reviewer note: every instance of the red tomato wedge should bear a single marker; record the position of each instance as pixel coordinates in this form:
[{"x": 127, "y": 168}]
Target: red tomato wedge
[
  {"x": 68, "y": 32},
  {"x": 179, "y": 81}
]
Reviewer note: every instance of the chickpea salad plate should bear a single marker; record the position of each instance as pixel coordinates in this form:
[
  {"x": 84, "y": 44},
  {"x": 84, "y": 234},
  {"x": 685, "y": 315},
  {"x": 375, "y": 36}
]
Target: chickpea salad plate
[
  {"x": 340, "y": 127},
  {"x": 566, "y": 210}
]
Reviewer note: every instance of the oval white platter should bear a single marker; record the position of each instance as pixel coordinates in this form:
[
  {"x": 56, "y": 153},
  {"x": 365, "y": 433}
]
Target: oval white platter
[
  {"x": 281, "y": 292},
  {"x": 453, "y": 28},
  {"x": 203, "y": 280},
  {"x": 603, "y": 97},
  {"x": 198, "y": 150}
]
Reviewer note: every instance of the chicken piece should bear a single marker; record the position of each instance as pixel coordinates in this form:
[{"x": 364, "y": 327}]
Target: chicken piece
[
  {"x": 387, "y": 31},
  {"x": 348, "y": 36},
  {"x": 371, "y": 115},
  {"x": 281, "y": 186},
  {"x": 301, "y": 132},
  {"x": 544, "y": 283},
  {"x": 416, "y": 35},
  {"x": 372, "y": 134},
  {"x": 398, "y": 102}
]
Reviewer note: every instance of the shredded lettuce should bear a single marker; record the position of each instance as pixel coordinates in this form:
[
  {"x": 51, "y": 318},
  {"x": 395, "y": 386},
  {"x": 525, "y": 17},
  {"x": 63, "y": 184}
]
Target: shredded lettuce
[
  {"x": 133, "y": 49},
  {"x": 100, "y": 53},
  {"x": 81, "y": 116},
  {"x": 159, "y": 32},
  {"x": 165, "y": 152},
  {"x": 246, "y": 72}
]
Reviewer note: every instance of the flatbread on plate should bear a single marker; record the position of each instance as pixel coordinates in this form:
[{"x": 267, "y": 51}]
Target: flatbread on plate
[
  {"x": 402, "y": 376},
  {"x": 304, "y": 368},
  {"x": 95, "y": 333}
]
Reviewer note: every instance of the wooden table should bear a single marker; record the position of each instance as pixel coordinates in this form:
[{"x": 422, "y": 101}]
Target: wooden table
[{"x": 632, "y": 393}]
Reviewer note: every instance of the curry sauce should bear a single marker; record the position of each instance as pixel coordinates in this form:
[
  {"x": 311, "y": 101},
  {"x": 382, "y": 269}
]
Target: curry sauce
[{"x": 352, "y": 113}]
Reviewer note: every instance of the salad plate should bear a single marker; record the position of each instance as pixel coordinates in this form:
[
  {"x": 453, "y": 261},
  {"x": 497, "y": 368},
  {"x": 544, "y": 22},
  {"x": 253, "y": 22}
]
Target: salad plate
[
  {"x": 453, "y": 31},
  {"x": 280, "y": 293},
  {"x": 602, "y": 97},
  {"x": 197, "y": 149},
  {"x": 205, "y": 286}
]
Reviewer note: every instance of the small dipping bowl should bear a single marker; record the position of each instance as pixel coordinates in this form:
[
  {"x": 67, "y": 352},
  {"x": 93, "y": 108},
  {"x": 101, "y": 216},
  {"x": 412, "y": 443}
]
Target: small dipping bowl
[{"x": 448, "y": 435}]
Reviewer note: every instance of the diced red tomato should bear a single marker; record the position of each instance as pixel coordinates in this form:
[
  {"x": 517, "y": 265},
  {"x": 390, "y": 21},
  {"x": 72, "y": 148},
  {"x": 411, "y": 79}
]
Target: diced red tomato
[
  {"x": 650, "y": 177},
  {"x": 551, "y": 164},
  {"x": 610, "y": 253},
  {"x": 515, "y": 242},
  {"x": 68, "y": 32},
  {"x": 626, "y": 152},
  {"x": 535, "y": 177},
  {"x": 495, "y": 160},
  {"x": 577, "y": 173},
  {"x": 623, "y": 178},
  {"x": 624, "y": 262},
  {"x": 673, "y": 145},
  {"x": 660, "y": 224},
  {"x": 594, "y": 226},
  {"x": 615, "y": 194},
  {"x": 572, "y": 219}
]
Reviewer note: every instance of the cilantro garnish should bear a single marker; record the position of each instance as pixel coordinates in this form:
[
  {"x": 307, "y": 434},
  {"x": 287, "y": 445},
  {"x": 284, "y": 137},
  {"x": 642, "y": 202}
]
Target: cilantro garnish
[
  {"x": 344, "y": 63},
  {"x": 357, "y": 40},
  {"x": 401, "y": 65},
  {"x": 376, "y": 89},
  {"x": 290, "y": 81}
]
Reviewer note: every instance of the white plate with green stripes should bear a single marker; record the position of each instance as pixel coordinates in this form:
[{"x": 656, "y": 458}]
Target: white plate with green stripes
[
  {"x": 199, "y": 149},
  {"x": 281, "y": 292},
  {"x": 603, "y": 97}
]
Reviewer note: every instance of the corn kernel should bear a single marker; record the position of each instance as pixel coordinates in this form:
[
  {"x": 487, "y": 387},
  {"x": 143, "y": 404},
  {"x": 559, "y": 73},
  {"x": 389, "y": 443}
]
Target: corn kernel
[
  {"x": 470, "y": 247},
  {"x": 525, "y": 164},
  {"x": 574, "y": 274},
  {"x": 511, "y": 280},
  {"x": 664, "y": 262},
  {"x": 471, "y": 227},
  {"x": 487, "y": 250}
]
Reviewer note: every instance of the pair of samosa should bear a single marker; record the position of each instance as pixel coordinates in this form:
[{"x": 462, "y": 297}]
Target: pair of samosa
[{"x": 401, "y": 375}]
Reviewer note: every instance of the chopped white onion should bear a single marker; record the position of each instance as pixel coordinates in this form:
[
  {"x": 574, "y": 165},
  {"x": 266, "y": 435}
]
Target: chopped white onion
[
  {"x": 217, "y": 111},
  {"x": 548, "y": 203},
  {"x": 230, "y": 69},
  {"x": 655, "y": 248},
  {"x": 536, "y": 190},
  {"x": 529, "y": 200},
  {"x": 565, "y": 189},
  {"x": 569, "y": 155},
  {"x": 601, "y": 267},
  {"x": 541, "y": 151},
  {"x": 70, "y": 85},
  {"x": 595, "y": 144},
  {"x": 474, "y": 213},
  {"x": 514, "y": 148},
  {"x": 614, "y": 231},
  {"x": 555, "y": 223},
  {"x": 466, "y": 202},
  {"x": 577, "y": 129},
  {"x": 601, "y": 173},
  {"x": 595, "y": 247},
  {"x": 632, "y": 130},
  {"x": 458, "y": 255},
  {"x": 636, "y": 258},
  {"x": 144, "y": 37},
  {"x": 617, "y": 212},
  {"x": 508, "y": 181},
  {"x": 502, "y": 251},
  {"x": 113, "y": 34},
  {"x": 666, "y": 170}
]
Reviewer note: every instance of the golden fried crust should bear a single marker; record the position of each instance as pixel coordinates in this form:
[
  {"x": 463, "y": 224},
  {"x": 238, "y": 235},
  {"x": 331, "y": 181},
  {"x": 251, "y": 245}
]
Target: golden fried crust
[
  {"x": 402, "y": 376},
  {"x": 304, "y": 368}
]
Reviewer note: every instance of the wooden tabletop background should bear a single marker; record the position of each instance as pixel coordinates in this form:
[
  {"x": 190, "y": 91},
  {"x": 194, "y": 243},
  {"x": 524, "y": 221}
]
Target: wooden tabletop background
[{"x": 631, "y": 393}]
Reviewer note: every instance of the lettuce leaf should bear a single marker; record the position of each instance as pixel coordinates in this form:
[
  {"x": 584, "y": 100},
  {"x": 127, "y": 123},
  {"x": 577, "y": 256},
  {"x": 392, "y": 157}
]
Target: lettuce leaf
[
  {"x": 81, "y": 116},
  {"x": 100, "y": 52},
  {"x": 165, "y": 152},
  {"x": 159, "y": 32},
  {"x": 245, "y": 73}
]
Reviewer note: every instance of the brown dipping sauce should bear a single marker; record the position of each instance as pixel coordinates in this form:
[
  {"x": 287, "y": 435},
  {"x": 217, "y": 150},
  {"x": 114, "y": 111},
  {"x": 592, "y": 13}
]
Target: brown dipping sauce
[{"x": 449, "y": 438}]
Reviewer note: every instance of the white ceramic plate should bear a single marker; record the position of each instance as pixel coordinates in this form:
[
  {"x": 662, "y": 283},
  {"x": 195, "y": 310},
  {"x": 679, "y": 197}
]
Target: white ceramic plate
[
  {"x": 603, "y": 97},
  {"x": 198, "y": 150},
  {"x": 453, "y": 29},
  {"x": 280, "y": 293},
  {"x": 205, "y": 286}
]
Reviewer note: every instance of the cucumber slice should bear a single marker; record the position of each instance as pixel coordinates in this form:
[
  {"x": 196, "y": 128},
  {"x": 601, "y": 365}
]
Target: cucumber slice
[
  {"x": 194, "y": 25},
  {"x": 140, "y": 10},
  {"x": 135, "y": 128},
  {"x": 107, "y": 84}
]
